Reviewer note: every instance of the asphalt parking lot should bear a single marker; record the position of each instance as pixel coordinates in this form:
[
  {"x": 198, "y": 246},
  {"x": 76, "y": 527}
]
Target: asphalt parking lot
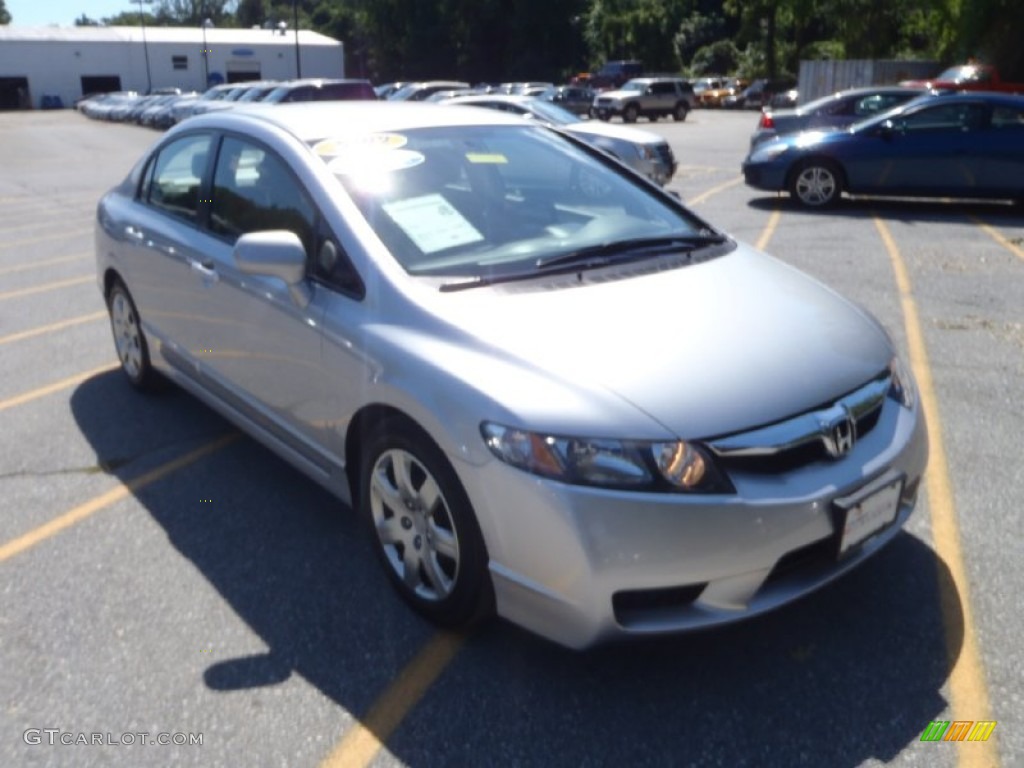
[{"x": 163, "y": 579}]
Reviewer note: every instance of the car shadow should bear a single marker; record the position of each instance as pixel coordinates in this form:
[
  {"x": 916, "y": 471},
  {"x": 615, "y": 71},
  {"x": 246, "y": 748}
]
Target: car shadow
[
  {"x": 852, "y": 672},
  {"x": 897, "y": 209}
]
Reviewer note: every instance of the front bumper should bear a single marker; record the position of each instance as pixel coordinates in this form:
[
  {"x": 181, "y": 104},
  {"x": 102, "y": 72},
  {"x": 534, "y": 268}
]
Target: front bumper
[
  {"x": 770, "y": 176},
  {"x": 582, "y": 565}
]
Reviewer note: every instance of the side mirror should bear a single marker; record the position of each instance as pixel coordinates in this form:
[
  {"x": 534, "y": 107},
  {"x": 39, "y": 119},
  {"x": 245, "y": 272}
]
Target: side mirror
[
  {"x": 886, "y": 129},
  {"x": 276, "y": 253}
]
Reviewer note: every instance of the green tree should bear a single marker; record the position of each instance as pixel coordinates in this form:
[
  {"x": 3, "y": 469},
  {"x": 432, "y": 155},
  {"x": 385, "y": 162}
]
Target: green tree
[
  {"x": 251, "y": 13},
  {"x": 130, "y": 19},
  {"x": 5, "y": 17},
  {"x": 191, "y": 13},
  {"x": 721, "y": 57},
  {"x": 636, "y": 29},
  {"x": 85, "y": 21},
  {"x": 990, "y": 31}
]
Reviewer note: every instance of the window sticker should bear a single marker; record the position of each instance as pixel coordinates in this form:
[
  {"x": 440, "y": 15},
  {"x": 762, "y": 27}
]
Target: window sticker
[
  {"x": 432, "y": 223},
  {"x": 482, "y": 157},
  {"x": 336, "y": 146}
]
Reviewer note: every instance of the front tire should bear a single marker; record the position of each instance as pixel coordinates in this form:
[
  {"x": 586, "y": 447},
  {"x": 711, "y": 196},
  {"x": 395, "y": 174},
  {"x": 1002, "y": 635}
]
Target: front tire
[
  {"x": 816, "y": 183},
  {"x": 424, "y": 528},
  {"x": 129, "y": 341}
]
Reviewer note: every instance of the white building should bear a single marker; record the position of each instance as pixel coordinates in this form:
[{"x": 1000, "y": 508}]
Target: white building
[{"x": 69, "y": 62}]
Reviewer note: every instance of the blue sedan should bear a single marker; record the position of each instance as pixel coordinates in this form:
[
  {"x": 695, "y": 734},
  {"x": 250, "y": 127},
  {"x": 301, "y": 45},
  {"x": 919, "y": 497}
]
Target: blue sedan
[{"x": 959, "y": 145}]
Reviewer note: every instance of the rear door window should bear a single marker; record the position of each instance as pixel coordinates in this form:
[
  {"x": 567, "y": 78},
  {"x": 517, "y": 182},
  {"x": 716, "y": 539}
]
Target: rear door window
[{"x": 176, "y": 177}]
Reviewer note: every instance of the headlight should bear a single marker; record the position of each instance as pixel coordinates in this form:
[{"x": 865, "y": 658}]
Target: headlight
[
  {"x": 631, "y": 464},
  {"x": 769, "y": 151},
  {"x": 646, "y": 151},
  {"x": 901, "y": 384}
]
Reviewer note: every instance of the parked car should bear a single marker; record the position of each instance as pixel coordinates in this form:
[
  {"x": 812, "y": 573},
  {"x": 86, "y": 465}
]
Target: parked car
[
  {"x": 321, "y": 89},
  {"x": 186, "y": 108},
  {"x": 451, "y": 94},
  {"x": 646, "y": 153},
  {"x": 101, "y": 106},
  {"x": 420, "y": 91},
  {"x": 969, "y": 145},
  {"x": 650, "y": 97},
  {"x": 258, "y": 91},
  {"x": 785, "y": 100},
  {"x": 833, "y": 111},
  {"x": 157, "y": 108},
  {"x": 575, "y": 98},
  {"x": 219, "y": 100},
  {"x": 614, "y": 74},
  {"x": 385, "y": 90},
  {"x": 709, "y": 83},
  {"x": 550, "y": 389},
  {"x": 969, "y": 77},
  {"x": 712, "y": 97},
  {"x": 758, "y": 94}
]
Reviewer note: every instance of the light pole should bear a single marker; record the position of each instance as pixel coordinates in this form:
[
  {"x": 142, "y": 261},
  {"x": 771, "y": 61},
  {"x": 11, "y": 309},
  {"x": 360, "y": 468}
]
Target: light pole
[
  {"x": 295, "y": 23},
  {"x": 145, "y": 46},
  {"x": 207, "y": 24}
]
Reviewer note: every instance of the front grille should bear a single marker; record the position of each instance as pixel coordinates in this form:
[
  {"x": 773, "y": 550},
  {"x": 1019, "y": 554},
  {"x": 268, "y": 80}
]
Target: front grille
[
  {"x": 801, "y": 440},
  {"x": 665, "y": 155}
]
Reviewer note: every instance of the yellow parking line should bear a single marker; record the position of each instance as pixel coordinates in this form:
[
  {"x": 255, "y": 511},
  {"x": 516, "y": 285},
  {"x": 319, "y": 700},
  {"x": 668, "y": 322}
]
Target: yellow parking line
[
  {"x": 46, "y": 287},
  {"x": 1000, "y": 238},
  {"x": 82, "y": 511},
  {"x": 49, "y": 389},
  {"x": 51, "y": 327},
  {"x": 967, "y": 687},
  {"x": 713, "y": 191},
  {"x": 32, "y": 240},
  {"x": 47, "y": 222},
  {"x": 43, "y": 263},
  {"x": 769, "y": 230},
  {"x": 365, "y": 739}
]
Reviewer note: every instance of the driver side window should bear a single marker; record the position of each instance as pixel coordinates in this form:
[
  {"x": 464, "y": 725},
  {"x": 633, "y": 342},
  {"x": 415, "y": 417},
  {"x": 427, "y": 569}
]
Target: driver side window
[{"x": 254, "y": 191}]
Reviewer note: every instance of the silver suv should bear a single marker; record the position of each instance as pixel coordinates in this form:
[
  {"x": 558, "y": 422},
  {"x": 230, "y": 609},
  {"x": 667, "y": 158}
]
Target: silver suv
[{"x": 650, "y": 97}]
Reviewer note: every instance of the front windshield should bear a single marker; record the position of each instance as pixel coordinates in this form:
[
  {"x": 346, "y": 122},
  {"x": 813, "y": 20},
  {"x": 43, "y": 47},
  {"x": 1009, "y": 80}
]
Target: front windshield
[
  {"x": 894, "y": 112},
  {"x": 552, "y": 113},
  {"x": 403, "y": 93},
  {"x": 480, "y": 201}
]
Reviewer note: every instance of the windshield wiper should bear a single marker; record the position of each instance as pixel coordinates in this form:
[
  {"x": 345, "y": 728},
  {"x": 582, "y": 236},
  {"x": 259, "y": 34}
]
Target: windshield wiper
[
  {"x": 605, "y": 253},
  {"x": 593, "y": 257}
]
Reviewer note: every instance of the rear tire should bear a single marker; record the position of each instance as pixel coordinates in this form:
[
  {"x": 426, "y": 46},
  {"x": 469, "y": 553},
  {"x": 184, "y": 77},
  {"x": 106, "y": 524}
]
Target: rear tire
[
  {"x": 129, "y": 340},
  {"x": 680, "y": 112},
  {"x": 816, "y": 183},
  {"x": 630, "y": 114}
]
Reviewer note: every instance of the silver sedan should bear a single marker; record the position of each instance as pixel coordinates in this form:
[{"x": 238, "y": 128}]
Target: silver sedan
[
  {"x": 551, "y": 391},
  {"x": 646, "y": 153}
]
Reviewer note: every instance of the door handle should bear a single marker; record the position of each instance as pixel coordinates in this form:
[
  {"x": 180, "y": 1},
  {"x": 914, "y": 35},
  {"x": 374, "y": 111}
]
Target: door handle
[{"x": 204, "y": 269}]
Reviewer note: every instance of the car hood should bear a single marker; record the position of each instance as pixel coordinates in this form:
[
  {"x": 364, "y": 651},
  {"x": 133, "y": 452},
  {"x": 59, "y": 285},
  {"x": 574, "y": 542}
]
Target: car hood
[
  {"x": 707, "y": 349},
  {"x": 618, "y": 94},
  {"x": 613, "y": 131},
  {"x": 814, "y": 137}
]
